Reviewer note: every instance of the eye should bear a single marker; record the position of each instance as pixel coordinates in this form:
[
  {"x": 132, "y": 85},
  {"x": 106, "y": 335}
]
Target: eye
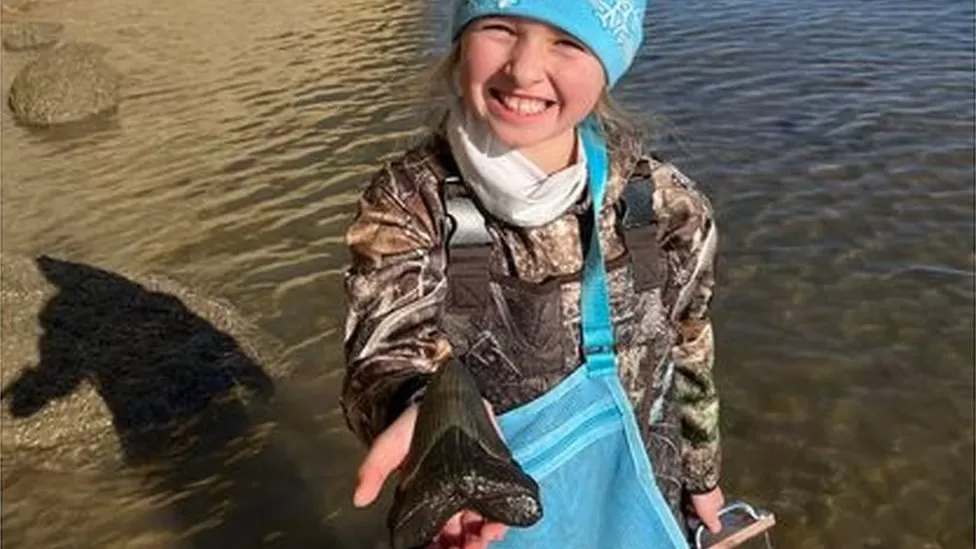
[
  {"x": 496, "y": 26},
  {"x": 571, "y": 44}
]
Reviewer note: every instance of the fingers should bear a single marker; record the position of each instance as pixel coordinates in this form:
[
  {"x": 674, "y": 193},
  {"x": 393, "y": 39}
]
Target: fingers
[
  {"x": 712, "y": 522},
  {"x": 387, "y": 453},
  {"x": 493, "y": 531},
  {"x": 471, "y": 521},
  {"x": 471, "y": 524},
  {"x": 486, "y": 533},
  {"x": 453, "y": 527},
  {"x": 450, "y": 536},
  {"x": 468, "y": 530},
  {"x": 707, "y": 507}
]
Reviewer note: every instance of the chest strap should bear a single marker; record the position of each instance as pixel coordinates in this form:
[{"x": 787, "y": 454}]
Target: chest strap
[{"x": 468, "y": 228}]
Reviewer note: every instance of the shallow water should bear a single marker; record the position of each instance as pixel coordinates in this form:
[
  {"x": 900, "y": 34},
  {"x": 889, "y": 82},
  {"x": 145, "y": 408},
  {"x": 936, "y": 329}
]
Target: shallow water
[{"x": 836, "y": 141}]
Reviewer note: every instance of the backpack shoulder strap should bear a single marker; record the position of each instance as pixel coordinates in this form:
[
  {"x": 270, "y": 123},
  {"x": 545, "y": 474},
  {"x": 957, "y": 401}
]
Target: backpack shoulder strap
[
  {"x": 467, "y": 222},
  {"x": 638, "y": 197}
]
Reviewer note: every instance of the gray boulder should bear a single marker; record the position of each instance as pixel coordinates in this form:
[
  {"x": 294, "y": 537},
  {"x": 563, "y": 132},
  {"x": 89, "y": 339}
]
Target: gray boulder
[
  {"x": 31, "y": 35},
  {"x": 101, "y": 368},
  {"x": 66, "y": 84}
]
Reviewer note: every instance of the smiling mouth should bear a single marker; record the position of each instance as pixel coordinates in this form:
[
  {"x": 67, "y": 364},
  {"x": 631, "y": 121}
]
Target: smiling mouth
[{"x": 520, "y": 104}]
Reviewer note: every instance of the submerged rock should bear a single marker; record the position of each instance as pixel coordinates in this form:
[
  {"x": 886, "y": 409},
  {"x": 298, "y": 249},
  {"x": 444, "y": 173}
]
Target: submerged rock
[
  {"x": 66, "y": 84},
  {"x": 31, "y": 35},
  {"x": 104, "y": 368}
]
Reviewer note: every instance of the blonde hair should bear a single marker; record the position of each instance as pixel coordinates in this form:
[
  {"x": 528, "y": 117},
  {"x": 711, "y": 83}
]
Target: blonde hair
[{"x": 620, "y": 128}]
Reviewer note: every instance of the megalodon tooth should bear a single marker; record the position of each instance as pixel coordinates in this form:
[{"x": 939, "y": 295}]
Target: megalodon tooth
[{"x": 457, "y": 461}]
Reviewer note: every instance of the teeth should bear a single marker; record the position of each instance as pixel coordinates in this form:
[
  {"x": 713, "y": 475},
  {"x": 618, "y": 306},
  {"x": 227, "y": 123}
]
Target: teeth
[{"x": 522, "y": 105}]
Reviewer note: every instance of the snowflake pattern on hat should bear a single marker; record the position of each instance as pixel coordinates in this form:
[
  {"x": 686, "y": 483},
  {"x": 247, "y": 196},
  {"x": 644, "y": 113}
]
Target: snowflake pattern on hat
[{"x": 621, "y": 19}]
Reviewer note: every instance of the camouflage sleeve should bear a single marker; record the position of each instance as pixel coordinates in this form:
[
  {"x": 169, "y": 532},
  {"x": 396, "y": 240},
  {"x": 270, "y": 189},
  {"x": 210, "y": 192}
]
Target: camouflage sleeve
[
  {"x": 395, "y": 287},
  {"x": 690, "y": 240}
]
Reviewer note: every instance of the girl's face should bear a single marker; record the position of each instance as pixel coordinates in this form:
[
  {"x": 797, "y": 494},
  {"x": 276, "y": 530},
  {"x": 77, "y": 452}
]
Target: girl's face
[{"x": 530, "y": 82}]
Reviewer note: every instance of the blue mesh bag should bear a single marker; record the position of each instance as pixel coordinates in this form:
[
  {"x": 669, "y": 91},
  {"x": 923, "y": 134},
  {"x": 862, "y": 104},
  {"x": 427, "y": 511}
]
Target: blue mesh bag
[{"x": 580, "y": 441}]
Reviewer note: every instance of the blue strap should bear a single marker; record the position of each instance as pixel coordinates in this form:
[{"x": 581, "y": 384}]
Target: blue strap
[{"x": 597, "y": 328}]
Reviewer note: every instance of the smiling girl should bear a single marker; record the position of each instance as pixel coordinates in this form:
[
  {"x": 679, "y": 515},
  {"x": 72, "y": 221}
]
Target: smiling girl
[{"x": 475, "y": 246}]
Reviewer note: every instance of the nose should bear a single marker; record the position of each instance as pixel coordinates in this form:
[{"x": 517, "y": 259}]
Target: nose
[{"x": 527, "y": 64}]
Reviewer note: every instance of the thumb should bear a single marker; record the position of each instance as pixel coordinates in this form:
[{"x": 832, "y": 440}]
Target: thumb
[
  {"x": 387, "y": 453},
  {"x": 707, "y": 507},
  {"x": 712, "y": 522}
]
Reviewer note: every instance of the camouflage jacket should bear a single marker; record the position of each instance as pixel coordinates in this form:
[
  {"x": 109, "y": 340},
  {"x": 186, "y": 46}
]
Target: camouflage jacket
[{"x": 511, "y": 310}]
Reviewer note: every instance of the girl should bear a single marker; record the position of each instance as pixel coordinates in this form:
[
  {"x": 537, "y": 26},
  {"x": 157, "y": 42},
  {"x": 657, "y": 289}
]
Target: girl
[{"x": 472, "y": 246}]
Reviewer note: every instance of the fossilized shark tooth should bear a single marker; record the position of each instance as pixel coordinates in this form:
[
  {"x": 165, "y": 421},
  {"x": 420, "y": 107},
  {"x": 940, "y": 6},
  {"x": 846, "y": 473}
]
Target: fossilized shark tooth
[{"x": 457, "y": 461}]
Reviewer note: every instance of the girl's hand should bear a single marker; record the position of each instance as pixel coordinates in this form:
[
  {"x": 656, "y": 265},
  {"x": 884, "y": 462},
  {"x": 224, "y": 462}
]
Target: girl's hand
[
  {"x": 465, "y": 530},
  {"x": 707, "y": 506}
]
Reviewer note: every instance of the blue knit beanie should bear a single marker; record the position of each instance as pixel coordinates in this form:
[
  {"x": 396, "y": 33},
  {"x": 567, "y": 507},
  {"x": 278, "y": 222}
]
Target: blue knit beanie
[{"x": 611, "y": 29}]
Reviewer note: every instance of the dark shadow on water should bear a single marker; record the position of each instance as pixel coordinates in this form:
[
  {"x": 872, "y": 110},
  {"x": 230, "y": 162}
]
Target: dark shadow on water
[
  {"x": 190, "y": 408},
  {"x": 100, "y": 127}
]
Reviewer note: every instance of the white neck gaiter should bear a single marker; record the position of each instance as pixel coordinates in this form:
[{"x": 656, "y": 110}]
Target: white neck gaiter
[{"x": 507, "y": 183}]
